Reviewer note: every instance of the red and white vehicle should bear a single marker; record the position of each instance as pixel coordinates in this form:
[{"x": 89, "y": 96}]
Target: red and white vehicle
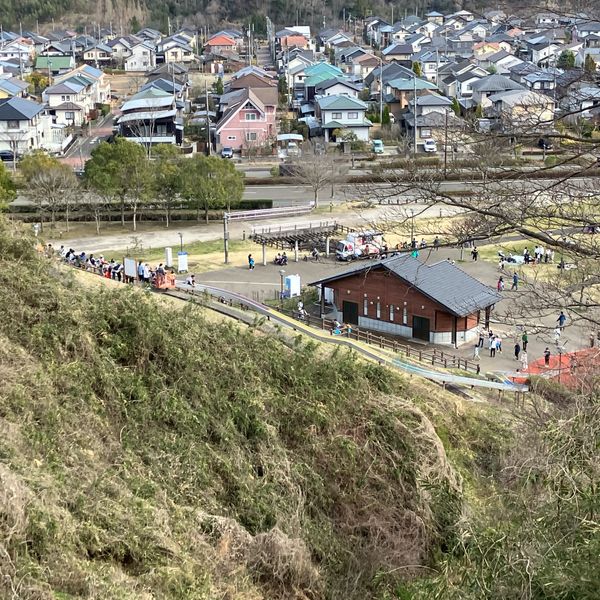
[{"x": 359, "y": 245}]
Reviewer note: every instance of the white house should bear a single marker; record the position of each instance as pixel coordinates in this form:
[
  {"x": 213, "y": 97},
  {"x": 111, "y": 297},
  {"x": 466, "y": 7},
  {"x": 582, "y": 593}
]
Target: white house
[
  {"x": 343, "y": 113},
  {"x": 142, "y": 58},
  {"x": 23, "y": 126}
]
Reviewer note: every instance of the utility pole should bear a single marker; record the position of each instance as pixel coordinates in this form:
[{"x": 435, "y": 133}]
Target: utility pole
[
  {"x": 208, "y": 144},
  {"x": 380, "y": 91},
  {"x": 415, "y": 115},
  {"x": 226, "y": 237},
  {"x": 445, "y": 142}
]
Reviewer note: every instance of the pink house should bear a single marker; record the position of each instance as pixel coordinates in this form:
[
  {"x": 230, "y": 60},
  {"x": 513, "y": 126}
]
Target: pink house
[{"x": 248, "y": 120}]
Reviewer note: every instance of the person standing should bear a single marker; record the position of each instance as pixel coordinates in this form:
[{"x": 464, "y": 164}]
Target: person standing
[
  {"x": 515, "y": 282},
  {"x": 557, "y": 333},
  {"x": 524, "y": 361},
  {"x": 476, "y": 352},
  {"x": 525, "y": 340},
  {"x": 481, "y": 335},
  {"x": 517, "y": 350},
  {"x": 436, "y": 243},
  {"x": 547, "y": 355},
  {"x": 561, "y": 320},
  {"x": 500, "y": 284},
  {"x": 492, "y": 347},
  {"x": 499, "y": 344},
  {"x": 250, "y": 261},
  {"x": 140, "y": 271}
]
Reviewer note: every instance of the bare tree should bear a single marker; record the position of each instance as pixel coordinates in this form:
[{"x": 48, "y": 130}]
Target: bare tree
[{"x": 316, "y": 171}]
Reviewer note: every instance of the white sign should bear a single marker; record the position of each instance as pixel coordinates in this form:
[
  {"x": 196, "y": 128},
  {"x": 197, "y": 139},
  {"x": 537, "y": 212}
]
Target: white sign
[
  {"x": 182, "y": 262},
  {"x": 130, "y": 265}
]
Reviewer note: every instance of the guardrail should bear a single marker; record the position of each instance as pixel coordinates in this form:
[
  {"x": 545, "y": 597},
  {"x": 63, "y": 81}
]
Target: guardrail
[{"x": 266, "y": 213}]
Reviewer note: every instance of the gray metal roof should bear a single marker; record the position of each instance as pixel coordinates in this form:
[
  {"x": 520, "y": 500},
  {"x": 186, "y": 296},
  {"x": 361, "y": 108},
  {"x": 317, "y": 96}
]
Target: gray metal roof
[
  {"x": 442, "y": 282},
  {"x": 496, "y": 83},
  {"x": 19, "y": 109}
]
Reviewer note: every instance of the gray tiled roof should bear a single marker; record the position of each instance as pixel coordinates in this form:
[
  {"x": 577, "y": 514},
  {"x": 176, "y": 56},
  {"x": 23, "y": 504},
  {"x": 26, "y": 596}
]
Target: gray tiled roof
[{"x": 442, "y": 282}]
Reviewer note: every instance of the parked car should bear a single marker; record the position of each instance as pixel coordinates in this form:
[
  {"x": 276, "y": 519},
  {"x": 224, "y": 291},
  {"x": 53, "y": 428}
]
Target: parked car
[
  {"x": 377, "y": 146},
  {"x": 544, "y": 144},
  {"x": 7, "y": 155},
  {"x": 227, "y": 153},
  {"x": 429, "y": 145}
]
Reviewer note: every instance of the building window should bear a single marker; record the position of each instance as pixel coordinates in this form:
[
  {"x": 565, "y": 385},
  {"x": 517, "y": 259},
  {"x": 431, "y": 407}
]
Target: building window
[
  {"x": 404, "y": 316},
  {"x": 337, "y": 115},
  {"x": 251, "y": 136},
  {"x": 250, "y": 116},
  {"x": 391, "y": 312},
  {"x": 425, "y": 133},
  {"x": 13, "y": 124},
  {"x": 231, "y": 138},
  {"x": 352, "y": 115},
  {"x": 365, "y": 307},
  {"x": 378, "y": 310},
  {"x": 70, "y": 116}
]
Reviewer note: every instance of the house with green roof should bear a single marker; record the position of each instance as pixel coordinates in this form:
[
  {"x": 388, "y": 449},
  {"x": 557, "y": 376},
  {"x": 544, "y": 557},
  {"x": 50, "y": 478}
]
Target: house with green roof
[
  {"x": 341, "y": 112},
  {"x": 316, "y": 74},
  {"x": 56, "y": 65}
]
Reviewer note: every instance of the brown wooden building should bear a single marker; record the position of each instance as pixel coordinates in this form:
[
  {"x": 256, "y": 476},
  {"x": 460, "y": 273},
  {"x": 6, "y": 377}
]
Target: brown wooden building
[{"x": 437, "y": 303}]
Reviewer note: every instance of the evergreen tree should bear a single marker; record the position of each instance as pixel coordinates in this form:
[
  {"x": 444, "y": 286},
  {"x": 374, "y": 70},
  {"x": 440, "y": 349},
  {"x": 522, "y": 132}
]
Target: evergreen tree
[
  {"x": 456, "y": 107},
  {"x": 589, "y": 65},
  {"x": 566, "y": 60},
  {"x": 417, "y": 70}
]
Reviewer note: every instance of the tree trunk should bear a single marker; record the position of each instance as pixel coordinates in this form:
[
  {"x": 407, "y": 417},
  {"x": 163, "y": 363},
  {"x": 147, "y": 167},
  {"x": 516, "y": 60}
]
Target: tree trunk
[
  {"x": 67, "y": 217},
  {"x": 168, "y": 214},
  {"x": 316, "y": 197},
  {"x": 198, "y": 211},
  {"x": 97, "y": 220},
  {"x": 134, "y": 216},
  {"x": 206, "y": 205},
  {"x": 122, "y": 211}
]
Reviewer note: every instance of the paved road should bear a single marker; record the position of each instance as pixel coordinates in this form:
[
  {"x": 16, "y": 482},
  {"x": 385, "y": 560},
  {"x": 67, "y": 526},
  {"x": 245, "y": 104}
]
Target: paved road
[{"x": 81, "y": 150}]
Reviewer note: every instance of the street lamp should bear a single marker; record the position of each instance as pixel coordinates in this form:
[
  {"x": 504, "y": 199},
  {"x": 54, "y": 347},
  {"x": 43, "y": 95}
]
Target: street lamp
[
  {"x": 180, "y": 241},
  {"x": 412, "y": 224},
  {"x": 281, "y": 276},
  {"x": 380, "y": 92}
]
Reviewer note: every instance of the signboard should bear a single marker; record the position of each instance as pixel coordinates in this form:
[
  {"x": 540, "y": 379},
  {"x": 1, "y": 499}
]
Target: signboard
[
  {"x": 182, "y": 262},
  {"x": 168, "y": 257},
  {"x": 130, "y": 265}
]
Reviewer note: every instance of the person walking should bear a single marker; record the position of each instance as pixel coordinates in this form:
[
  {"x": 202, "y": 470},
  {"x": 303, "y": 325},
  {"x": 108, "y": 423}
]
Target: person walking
[
  {"x": 499, "y": 344},
  {"x": 500, "y": 284},
  {"x": 250, "y": 262},
  {"x": 476, "y": 353},
  {"x": 547, "y": 355},
  {"x": 140, "y": 271},
  {"x": 562, "y": 318},
  {"x": 525, "y": 340},
  {"x": 515, "y": 282},
  {"x": 524, "y": 361},
  {"x": 436, "y": 243},
  {"x": 474, "y": 254},
  {"x": 492, "y": 347},
  {"x": 517, "y": 350}
]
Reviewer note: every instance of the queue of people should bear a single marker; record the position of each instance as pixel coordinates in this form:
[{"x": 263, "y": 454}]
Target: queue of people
[{"x": 111, "y": 268}]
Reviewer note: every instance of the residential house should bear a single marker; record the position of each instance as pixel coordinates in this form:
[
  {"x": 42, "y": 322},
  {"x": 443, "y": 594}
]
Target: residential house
[
  {"x": 487, "y": 86},
  {"x": 435, "y": 17},
  {"x": 519, "y": 71},
  {"x": 54, "y": 65},
  {"x": 438, "y": 303},
  {"x": 175, "y": 50},
  {"x": 294, "y": 41},
  {"x": 219, "y": 43},
  {"x": 543, "y": 80},
  {"x": 23, "y": 126},
  {"x": 430, "y": 61},
  {"x": 401, "y": 53},
  {"x": 317, "y": 73},
  {"x": 584, "y": 29},
  {"x": 343, "y": 113},
  {"x": 583, "y": 103},
  {"x": 500, "y": 62},
  {"x": 149, "y": 35},
  {"x": 248, "y": 121},
  {"x": 12, "y": 86},
  {"x": 399, "y": 91},
  {"x": 457, "y": 78},
  {"x": 20, "y": 49},
  {"x": 142, "y": 57},
  {"x": 99, "y": 55},
  {"x": 523, "y": 112},
  {"x": 337, "y": 86},
  {"x": 433, "y": 118},
  {"x": 363, "y": 64},
  {"x": 151, "y": 117}
]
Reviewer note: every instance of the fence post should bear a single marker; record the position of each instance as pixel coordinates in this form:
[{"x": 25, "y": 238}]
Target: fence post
[
  {"x": 420, "y": 356},
  {"x": 395, "y": 346},
  {"x": 445, "y": 363}
]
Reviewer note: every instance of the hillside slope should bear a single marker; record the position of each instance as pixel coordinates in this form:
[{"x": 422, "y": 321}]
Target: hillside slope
[{"x": 148, "y": 453}]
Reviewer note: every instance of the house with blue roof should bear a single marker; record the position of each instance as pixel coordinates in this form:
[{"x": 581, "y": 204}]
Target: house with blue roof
[{"x": 23, "y": 126}]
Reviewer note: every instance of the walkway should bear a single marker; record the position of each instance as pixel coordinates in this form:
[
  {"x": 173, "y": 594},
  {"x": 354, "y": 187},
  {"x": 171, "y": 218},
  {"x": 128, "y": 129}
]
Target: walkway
[{"x": 373, "y": 354}]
